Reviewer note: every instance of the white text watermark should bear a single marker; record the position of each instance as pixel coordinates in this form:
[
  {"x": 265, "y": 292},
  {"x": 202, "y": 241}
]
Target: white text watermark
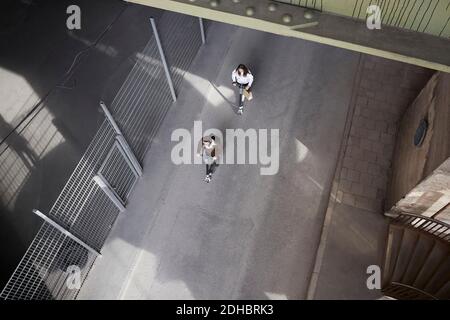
[
  {"x": 238, "y": 146},
  {"x": 73, "y": 22},
  {"x": 374, "y": 17}
]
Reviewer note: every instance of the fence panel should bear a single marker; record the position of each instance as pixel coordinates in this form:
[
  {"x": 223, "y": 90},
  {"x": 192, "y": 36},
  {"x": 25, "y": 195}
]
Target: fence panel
[{"x": 83, "y": 208}]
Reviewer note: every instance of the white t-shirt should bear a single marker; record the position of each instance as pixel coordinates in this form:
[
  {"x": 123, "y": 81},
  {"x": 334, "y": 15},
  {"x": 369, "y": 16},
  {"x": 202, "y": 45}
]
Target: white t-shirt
[
  {"x": 248, "y": 79},
  {"x": 207, "y": 150}
]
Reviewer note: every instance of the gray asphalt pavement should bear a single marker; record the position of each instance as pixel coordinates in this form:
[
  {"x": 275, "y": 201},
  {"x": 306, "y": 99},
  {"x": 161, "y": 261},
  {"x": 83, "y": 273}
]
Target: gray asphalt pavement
[{"x": 243, "y": 236}]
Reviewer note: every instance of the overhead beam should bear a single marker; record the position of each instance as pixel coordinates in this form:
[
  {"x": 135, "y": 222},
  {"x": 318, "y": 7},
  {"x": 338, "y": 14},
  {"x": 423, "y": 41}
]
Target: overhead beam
[{"x": 287, "y": 20}]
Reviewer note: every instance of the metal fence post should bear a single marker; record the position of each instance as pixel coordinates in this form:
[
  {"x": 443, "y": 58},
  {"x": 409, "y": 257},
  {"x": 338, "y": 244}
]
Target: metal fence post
[
  {"x": 126, "y": 148},
  {"x": 202, "y": 30},
  {"x": 104, "y": 185},
  {"x": 163, "y": 59},
  {"x": 66, "y": 232},
  {"x": 121, "y": 139}
]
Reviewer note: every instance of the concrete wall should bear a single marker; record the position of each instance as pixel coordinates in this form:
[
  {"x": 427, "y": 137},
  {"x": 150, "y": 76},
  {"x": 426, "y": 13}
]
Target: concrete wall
[
  {"x": 412, "y": 164},
  {"x": 431, "y": 197}
]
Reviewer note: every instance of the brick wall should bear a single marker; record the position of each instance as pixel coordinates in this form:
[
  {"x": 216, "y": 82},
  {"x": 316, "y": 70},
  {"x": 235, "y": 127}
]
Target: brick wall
[{"x": 386, "y": 88}]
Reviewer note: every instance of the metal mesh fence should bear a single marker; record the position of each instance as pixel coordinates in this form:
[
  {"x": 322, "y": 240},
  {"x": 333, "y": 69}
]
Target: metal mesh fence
[
  {"x": 146, "y": 85},
  {"x": 42, "y": 273},
  {"x": 72, "y": 198},
  {"x": 118, "y": 172},
  {"x": 95, "y": 219},
  {"x": 83, "y": 208}
]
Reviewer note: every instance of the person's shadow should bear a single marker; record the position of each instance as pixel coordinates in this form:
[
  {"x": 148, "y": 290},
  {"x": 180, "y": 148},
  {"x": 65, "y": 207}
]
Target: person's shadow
[
  {"x": 233, "y": 106},
  {"x": 19, "y": 144}
]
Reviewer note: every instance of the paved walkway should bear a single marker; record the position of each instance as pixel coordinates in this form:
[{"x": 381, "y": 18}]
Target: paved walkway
[
  {"x": 244, "y": 235},
  {"x": 356, "y": 229}
]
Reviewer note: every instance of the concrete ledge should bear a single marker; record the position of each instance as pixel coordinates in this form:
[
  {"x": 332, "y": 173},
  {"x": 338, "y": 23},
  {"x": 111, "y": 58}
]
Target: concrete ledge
[{"x": 313, "y": 281}]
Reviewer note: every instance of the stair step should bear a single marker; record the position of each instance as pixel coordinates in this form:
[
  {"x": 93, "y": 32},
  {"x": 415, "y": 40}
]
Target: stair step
[
  {"x": 393, "y": 248},
  {"x": 409, "y": 241},
  {"x": 444, "y": 292},
  {"x": 418, "y": 267},
  {"x": 423, "y": 249},
  {"x": 440, "y": 278},
  {"x": 435, "y": 258}
]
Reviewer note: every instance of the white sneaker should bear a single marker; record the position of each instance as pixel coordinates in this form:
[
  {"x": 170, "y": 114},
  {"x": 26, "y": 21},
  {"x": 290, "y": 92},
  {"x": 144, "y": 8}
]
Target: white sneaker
[{"x": 208, "y": 179}]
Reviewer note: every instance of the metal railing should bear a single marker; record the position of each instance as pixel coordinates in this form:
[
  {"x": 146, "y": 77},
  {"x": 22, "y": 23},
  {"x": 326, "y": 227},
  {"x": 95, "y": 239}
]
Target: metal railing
[
  {"x": 403, "y": 291},
  {"x": 428, "y": 16},
  {"x": 310, "y": 4},
  {"x": 77, "y": 226},
  {"x": 394, "y": 286},
  {"x": 431, "y": 226}
]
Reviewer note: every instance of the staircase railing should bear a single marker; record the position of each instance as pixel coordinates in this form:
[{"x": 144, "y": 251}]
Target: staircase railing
[
  {"x": 403, "y": 291},
  {"x": 432, "y": 226},
  {"x": 422, "y": 225}
]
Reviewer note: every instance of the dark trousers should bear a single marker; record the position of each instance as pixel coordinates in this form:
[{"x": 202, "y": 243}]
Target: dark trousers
[{"x": 210, "y": 168}]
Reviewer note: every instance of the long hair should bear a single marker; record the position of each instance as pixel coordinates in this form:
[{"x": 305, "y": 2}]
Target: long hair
[
  {"x": 243, "y": 67},
  {"x": 208, "y": 139}
]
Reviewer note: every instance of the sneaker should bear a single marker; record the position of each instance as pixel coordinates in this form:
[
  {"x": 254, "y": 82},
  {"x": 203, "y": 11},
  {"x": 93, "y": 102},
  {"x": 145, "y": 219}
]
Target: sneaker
[{"x": 208, "y": 179}]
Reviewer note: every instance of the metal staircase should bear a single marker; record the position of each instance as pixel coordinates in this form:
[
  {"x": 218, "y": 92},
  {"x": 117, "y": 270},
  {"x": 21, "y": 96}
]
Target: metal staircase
[{"x": 417, "y": 259}]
